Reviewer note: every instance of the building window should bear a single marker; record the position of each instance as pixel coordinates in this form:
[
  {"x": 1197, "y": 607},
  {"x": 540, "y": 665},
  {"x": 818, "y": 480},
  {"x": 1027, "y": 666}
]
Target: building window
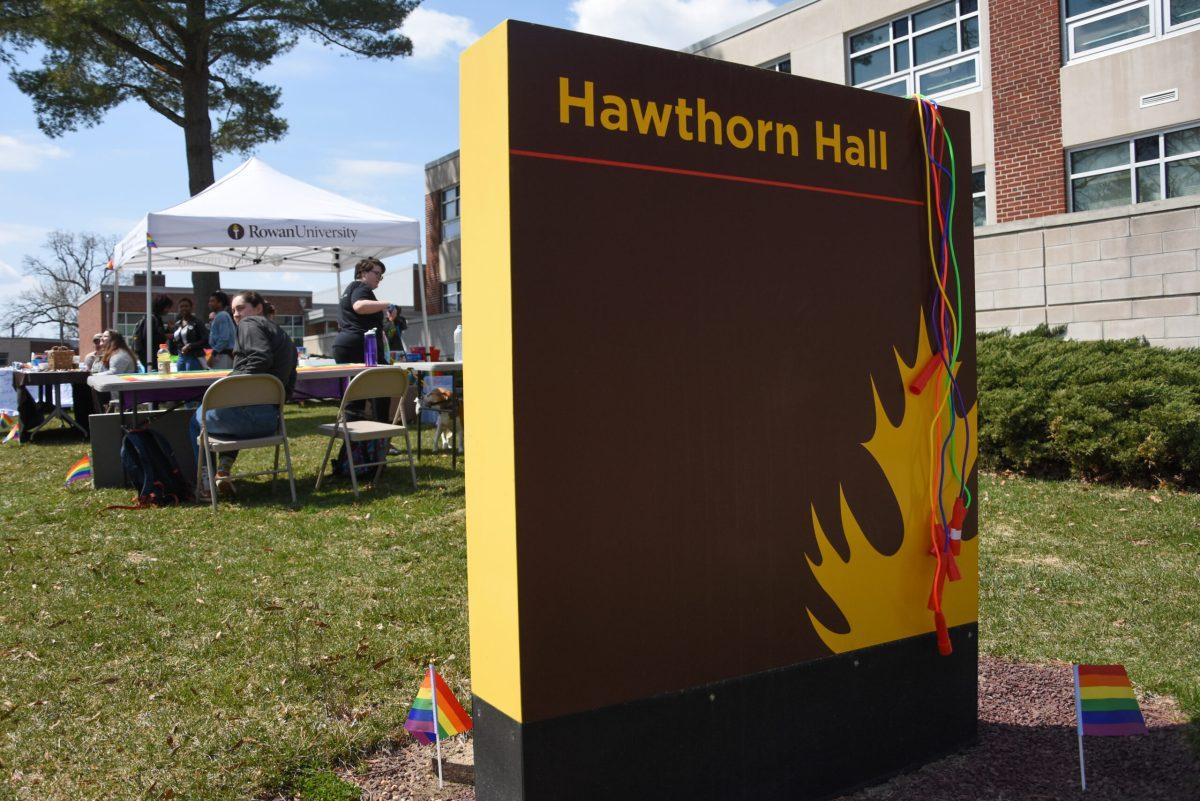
[
  {"x": 127, "y": 323},
  {"x": 452, "y": 297},
  {"x": 934, "y": 51},
  {"x": 451, "y": 223},
  {"x": 1098, "y": 26},
  {"x": 979, "y": 196},
  {"x": 293, "y": 326},
  {"x": 1150, "y": 167},
  {"x": 3, "y": 359},
  {"x": 783, "y": 65}
]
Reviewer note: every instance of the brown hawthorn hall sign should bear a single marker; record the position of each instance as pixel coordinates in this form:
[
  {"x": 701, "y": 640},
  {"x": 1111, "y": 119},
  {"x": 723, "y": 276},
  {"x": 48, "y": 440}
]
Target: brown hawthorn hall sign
[{"x": 699, "y": 494}]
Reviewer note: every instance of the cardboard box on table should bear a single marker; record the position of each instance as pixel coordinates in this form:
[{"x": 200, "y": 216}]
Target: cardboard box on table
[{"x": 668, "y": 608}]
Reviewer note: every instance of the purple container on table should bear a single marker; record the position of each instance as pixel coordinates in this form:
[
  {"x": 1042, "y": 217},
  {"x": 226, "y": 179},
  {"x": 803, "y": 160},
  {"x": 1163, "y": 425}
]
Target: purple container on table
[{"x": 370, "y": 348}]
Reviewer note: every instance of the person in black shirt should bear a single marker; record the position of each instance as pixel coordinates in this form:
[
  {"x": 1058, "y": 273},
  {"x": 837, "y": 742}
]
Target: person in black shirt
[
  {"x": 189, "y": 339},
  {"x": 360, "y": 312},
  {"x": 158, "y": 331}
]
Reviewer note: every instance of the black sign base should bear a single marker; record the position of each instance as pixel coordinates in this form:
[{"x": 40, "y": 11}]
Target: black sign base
[{"x": 809, "y": 731}]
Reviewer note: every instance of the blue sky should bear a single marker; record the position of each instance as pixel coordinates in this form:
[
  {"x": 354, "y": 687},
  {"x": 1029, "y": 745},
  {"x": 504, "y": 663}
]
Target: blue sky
[{"x": 362, "y": 128}]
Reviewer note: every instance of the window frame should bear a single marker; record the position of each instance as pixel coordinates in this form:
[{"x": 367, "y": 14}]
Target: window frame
[
  {"x": 1160, "y": 27},
  {"x": 452, "y": 289},
  {"x": 451, "y": 226},
  {"x": 980, "y": 194},
  {"x": 1168, "y": 28},
  {"x": 120, "y": 326},
  {"x": 774, "y": 64},
  {"x": 291, "y": 328},
  {"x": 1131, "y": 166},
  {"x": 912, "y": 74}
]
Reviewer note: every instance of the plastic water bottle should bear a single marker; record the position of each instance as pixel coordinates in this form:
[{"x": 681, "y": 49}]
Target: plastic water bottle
[
  {"x": 164, "y": 359},
  {"x": 371, "y": 348},
  {"x": 458, "y": 343}
]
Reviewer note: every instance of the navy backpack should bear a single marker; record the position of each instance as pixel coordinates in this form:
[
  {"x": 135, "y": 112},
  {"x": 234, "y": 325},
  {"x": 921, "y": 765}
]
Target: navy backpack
[{"x": 151, "y": 468}]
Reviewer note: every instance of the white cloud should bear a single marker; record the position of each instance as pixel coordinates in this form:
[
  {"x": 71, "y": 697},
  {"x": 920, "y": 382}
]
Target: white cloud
[
  {"x": 306, "y": 59},
  {"x": 13, "y": 281},
  {"x": 367, "y": 179},
  {"x": 19, "y": 154},
  {"x": 665, "y": 23},
  {"x": 435, "y": 34},
  {"x": 20, "y": 234}
]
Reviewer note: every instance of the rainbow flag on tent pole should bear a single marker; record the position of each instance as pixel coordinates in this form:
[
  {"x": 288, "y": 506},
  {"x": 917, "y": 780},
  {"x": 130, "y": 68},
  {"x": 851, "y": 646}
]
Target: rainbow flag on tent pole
[
  {"x": 436, "y": 714},
  {"x": 80, "y": 471},
  {"x": 1105, "y": 706}
]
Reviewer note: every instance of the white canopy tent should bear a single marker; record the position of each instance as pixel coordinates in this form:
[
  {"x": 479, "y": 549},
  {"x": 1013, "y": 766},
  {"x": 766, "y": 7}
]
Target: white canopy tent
[{"x": 256, "y": 219}]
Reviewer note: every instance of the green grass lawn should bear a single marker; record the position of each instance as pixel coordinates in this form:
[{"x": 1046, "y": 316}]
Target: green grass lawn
[
  {"x": 210, "y": 655},
  {"x": 1094, "y": 574},
  {"x": 172, "y": 652}
]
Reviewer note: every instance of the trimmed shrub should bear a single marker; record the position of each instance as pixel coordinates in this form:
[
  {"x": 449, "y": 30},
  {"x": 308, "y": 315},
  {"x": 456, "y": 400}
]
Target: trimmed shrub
[{"x": 1114, "y": 411}]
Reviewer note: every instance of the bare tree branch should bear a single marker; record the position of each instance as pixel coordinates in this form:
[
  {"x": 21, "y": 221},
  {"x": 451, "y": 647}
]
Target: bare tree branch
[{"x": 71, "y": 271}]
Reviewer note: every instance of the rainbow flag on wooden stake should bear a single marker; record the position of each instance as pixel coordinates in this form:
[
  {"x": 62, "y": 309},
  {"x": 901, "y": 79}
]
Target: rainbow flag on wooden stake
[
  {"x": 438, "y": 705},
  {"x": 1105, "y": 706},
  {"x": 80, "y": 471},
  {"x": 452, "y": 718},
  {"x": 150, "y": 243}
]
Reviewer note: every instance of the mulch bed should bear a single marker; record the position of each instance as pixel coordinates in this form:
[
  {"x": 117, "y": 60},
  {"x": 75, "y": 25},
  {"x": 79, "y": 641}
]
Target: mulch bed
[{"x": 1027, "y": 751}]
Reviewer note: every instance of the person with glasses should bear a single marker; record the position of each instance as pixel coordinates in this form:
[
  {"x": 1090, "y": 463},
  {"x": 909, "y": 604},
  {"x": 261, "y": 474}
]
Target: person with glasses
[
  {"x": 92, "y": 362},
  {"x": 360, "y": 311}
]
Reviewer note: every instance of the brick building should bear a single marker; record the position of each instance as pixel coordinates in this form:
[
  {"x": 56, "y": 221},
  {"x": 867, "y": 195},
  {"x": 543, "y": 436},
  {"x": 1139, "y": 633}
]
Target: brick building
[
  {"x": 96, "y": 311},
  {"x": 1085, "y": 141},
  {"x": 443, "y": 248}
]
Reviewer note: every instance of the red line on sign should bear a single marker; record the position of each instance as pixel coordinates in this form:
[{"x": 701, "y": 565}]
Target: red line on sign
[{"x": 629, "y": 165}]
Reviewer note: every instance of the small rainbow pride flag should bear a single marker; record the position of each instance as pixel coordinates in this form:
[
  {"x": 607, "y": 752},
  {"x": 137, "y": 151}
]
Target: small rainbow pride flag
[
  {"x": 14, "y": 427},
  {"x": 1105, "y": 706},
  {"x": 109, "y": 265},
  {"x": 80, "y": 470},
  {"x": 150, "y": 243},
  {"x": 435, "y": 702},
  {"x": 451, "y": 717}
]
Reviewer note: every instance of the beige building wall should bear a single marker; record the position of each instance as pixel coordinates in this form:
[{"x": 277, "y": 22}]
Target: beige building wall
[
  {"x": 1100, "y": 96},
  {"x": 1132, "y": 271},
  {"x": 441, "y": 173},
  {"x": 813, "y": 34}
]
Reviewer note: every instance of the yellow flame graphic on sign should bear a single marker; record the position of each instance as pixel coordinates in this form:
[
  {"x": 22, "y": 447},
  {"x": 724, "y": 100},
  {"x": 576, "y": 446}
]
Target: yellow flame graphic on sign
[{"x": 884, "y": 597}]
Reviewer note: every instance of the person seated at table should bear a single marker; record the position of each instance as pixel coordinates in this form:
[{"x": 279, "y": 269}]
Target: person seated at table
[
  {"x": 359, "y": 312},
  {"x": 222, "y": 333},
  {"x": 189, "y": 339},
  {"x": 262, "y": 347},
  {"x": 92, "y": 362},
  {"x": 115, "y": 355},
  {"x": 158, "y": 331}
]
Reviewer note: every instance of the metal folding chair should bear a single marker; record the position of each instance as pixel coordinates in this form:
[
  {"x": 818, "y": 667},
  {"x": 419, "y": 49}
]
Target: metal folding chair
[
  {"x": 376, "y": 382},
  {"x": 243, "y": 390}
]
